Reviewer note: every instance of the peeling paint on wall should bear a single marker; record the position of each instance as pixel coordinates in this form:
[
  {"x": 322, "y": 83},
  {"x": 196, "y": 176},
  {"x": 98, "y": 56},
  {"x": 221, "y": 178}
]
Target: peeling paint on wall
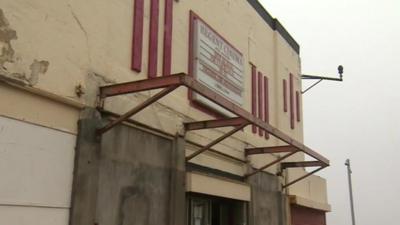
[
  {"x": 7, "y": 55},
  {"x": 6, "y": 35},
  {"x": 37, "y": 68}
]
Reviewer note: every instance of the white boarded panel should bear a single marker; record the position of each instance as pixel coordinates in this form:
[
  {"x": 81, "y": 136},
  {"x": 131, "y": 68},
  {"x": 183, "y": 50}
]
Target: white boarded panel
[
  {"x": 36, "y": 164},
  {"x": 32, "y": 216}
]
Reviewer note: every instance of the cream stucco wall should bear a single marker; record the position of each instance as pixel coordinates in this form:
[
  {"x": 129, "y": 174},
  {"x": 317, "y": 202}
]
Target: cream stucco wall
[
  {"x": 57, "y": 45},
  {"x": 38, "y": 107}
]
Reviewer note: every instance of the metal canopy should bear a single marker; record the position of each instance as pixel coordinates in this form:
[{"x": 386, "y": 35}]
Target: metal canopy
[{"x": 243, "y": 119}]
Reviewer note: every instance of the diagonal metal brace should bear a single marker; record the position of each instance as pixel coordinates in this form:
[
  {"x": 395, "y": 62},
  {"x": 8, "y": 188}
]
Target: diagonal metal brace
[
  {"x": 172, "y": 82},
  {"x": 216, "y": 141},
  {"x": 270, "y": 164},
  {"x": 302, "y": 177},
  {"x": 192, "y": 84},
  {"x": 137, "y": 109}
]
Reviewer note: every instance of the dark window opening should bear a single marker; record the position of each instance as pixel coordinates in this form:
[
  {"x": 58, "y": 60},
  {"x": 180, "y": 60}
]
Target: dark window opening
[{"x": 209, "y": 210}]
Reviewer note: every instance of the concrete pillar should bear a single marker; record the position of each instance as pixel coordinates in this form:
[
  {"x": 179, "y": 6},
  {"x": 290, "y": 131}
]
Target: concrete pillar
[
  {"x": 128, "y": 176},
  {"x": 267, "y": 206},
  {"x": 86, "y": 173},
  {"x": 178, "y": 183}
]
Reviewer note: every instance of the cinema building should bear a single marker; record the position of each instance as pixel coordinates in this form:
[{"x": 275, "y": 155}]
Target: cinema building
[{"x": 154, "y": 112}]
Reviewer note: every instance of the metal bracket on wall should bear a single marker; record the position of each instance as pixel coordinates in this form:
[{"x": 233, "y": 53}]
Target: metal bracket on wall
[
  {"x": 243, "y": 118},
  {"x": 284, "y": 165},
  {"x": 321, "y": 78},
  {"x": 304, "y": 164},
  {"x": 238, "y": 123},
  {"x": 291, "y": 152}
]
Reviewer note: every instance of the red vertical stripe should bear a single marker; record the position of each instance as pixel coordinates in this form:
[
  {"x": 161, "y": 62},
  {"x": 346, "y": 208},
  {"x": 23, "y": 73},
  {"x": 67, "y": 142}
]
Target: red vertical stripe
[
  {"x": 291, "y": 101},
  {"x": 266, "y": 103},
  {"x": 260, "y": 101},
  {"x": 153, "y": 42},
  {"x": 168, "y": 22},
  {"x": 137, "y": 40},
  {"x": 284, "y": 95},
  {"x": 254, "y": 94},
  {"x": 298, "y": 106}
]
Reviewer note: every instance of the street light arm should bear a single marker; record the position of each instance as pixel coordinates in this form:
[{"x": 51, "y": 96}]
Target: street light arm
[
  {"x": 321, "y": 78},
  {"x": 315, "y": 77}
]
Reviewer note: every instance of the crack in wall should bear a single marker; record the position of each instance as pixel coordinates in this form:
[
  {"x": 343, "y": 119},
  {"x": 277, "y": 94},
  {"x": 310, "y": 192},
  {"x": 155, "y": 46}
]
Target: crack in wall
[{"x": 82, "y": 28}]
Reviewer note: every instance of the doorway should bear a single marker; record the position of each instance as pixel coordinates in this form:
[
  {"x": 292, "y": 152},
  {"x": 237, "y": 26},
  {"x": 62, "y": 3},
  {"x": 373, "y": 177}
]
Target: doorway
[{"x": 210, "y": 210}]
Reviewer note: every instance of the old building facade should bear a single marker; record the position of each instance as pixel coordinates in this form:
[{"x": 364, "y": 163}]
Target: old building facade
[{"x": 70, "y": 68}]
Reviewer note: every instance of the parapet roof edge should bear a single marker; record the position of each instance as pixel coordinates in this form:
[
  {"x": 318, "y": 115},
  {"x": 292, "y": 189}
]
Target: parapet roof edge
[{"x": 274, "y": 24}]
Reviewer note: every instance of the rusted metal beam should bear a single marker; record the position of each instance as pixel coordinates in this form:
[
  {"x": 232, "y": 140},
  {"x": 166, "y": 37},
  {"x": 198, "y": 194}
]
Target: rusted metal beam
[
  {"x": 269, "y": 164},
  {"x": 285, "y": 165},
  {"x": 141, "y": 85},
  {"x": 191, "y": 83},
  {"x": 302, "y": 177},
  {"x": 170, "y": 83},
  {"x": 216, "y": 141},
  {"x": 240, "y": 112},
  {"x": 137, "y": 109},
  {"x": 270, "y": 150},
  {"x": 208, "y": 124}
]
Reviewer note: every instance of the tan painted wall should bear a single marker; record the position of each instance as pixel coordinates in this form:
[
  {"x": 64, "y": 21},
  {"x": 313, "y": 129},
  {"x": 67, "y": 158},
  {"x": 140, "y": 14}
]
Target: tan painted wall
[
  {"x": 55, "y": 45},
  {"x": 30, "y": 107},
  {"x": 310, "y": 192}
]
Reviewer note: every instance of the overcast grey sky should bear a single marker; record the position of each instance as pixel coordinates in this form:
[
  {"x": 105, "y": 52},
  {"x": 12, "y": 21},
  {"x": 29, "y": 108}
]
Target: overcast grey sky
[{"x": 360, "y": 118}]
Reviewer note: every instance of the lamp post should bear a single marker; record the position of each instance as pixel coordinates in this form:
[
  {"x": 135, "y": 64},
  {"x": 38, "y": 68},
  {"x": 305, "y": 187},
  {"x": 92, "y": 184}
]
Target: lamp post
[{"x": 347, "y": 163}]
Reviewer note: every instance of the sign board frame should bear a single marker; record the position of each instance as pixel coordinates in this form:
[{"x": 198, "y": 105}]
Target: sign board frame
[{"x": 216, "y": 63}]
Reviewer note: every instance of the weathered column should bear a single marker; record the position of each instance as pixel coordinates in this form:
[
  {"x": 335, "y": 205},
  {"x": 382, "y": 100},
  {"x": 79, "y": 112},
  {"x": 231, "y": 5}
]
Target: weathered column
[
  {"x": 267, "y": 206},
  {"x": 86, "y": 170},
  {"x": 178, "y": 183}
]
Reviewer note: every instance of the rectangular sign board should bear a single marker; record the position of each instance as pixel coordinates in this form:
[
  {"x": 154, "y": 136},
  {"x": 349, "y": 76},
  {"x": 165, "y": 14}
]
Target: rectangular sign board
[{"x": 216, "y": 64}]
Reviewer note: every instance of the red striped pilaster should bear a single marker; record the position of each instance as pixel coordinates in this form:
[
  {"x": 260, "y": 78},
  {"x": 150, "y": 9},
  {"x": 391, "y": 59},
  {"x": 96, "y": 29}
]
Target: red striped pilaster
[
  {"x": 137, "y": 40},
  {"x": 260, "y": 101},
  {"x": 153, "y": 42},
  {"x": 168, "y": 22},
  {"x": 254, "y": 94},
  {"x": 285, "y": 95},
  {"x": 291, "y": 101},
  {"x": 266, "y": 103},
  {"x": 298, "y": 106}
]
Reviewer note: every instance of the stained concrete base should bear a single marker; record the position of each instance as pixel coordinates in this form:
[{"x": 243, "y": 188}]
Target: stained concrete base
[
  {"x": 133, "y": 177},
  {"x": 268, "y": 203},
  {"x": 129, "y": 177}
]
